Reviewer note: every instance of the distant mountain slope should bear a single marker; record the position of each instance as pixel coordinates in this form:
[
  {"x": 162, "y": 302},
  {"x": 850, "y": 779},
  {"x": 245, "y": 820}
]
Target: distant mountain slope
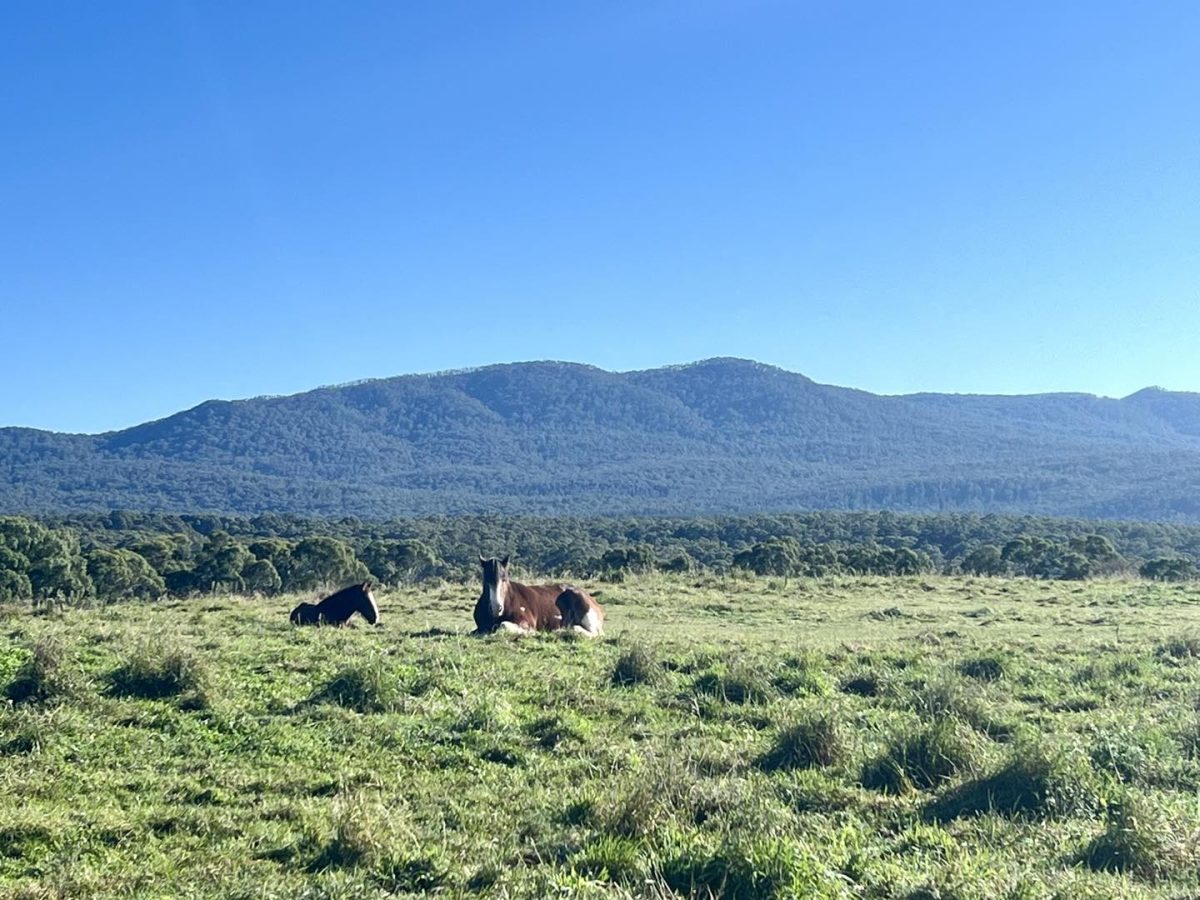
[{"x": 723, "y": 435}]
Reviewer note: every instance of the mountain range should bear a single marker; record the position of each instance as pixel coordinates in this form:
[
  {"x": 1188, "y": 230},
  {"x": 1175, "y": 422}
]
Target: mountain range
[{"x": 718, "y": 436}]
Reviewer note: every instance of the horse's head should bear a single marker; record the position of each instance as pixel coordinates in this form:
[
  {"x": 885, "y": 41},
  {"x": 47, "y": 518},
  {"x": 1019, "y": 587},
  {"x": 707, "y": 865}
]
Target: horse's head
[
  {"x": 367, "y": 606},
  {"x": 495, "y": 583}
]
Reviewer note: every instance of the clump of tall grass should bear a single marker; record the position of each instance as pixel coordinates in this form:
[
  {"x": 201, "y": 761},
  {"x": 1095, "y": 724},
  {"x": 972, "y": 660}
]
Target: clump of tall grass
[
  {"x": 754, "y": 868},
  {"x": 637, "y": 665},
  {"x": 1134, "y": 841},
  {"x": 367, "y": 835},
  {"x": 802, "y": 673},
  {"x": 864, "y": 683},
  {"x": 366, "y": 686},
  {"x": 923, "y": 757},
  {"x": 1034, "y": 782},
  {"x": 1141, "y": 755},
  {"x": 739, "y": 682},
  {"x": 991, "y": 667},
  {"x": 948, "y": 696},
  {"x": 1185, "y": 646},
  {"x": 612, "y": 858},
  {"x": 153, "y": 673},
  {"x": 812, "y": 741},
  {"x": 45, "y": 677}
]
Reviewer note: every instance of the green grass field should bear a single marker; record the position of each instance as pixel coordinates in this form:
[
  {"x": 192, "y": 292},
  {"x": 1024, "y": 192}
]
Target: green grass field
[{"x": 917, "y": 738}]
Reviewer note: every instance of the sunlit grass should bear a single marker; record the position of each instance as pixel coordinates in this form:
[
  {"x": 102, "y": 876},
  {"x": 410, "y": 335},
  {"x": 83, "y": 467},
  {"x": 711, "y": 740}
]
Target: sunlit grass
[{"x": 728, "y": 737}]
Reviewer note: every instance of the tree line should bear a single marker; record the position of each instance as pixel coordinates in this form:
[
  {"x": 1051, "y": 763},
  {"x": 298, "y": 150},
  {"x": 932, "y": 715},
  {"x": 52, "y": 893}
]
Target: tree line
[{"x": 107, "y": 557}]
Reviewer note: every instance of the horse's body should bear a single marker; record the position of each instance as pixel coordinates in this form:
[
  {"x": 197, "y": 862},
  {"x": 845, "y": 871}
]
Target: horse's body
[
  {"x": 336, "y": 609},
  {"x": 525, "y": 608}
]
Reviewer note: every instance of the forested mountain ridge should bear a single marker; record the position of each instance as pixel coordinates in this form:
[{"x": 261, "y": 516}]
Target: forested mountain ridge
[{"x": 718, "y": 436}]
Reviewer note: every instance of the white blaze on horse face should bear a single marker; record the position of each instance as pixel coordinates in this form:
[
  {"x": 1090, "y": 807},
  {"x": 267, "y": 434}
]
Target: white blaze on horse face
[{"x": 495, "y": 589}]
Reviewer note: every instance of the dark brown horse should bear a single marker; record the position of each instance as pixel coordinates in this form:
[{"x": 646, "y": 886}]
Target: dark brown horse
[
  {"x": 523, "y": 608},
  {"x": 336, "y": 609}
]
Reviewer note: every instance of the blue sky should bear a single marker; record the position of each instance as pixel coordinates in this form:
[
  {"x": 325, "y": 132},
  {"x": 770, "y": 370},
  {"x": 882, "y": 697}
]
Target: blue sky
[{"x": 218, "y": 199}]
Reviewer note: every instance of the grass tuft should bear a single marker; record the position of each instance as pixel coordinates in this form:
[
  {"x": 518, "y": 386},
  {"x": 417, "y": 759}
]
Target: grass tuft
[
  {"x": 984, "y": 668},
  {"x": 1034, "y": 783},
  {"x": 923, "y": 758},
  {"x": 637, "y": 665},
  {"x": 153, "y": 673},
  {"x": 368, "y": 686},
  {"x": 816, "y": 740},
  {"x": 45, "y": 676},
  {"x": 802, "y": 673},
  {"x": 740, "y": 682},
  {"x": 863, "y": 684},
  {"x": 1184, "y": 646},
  {"x": 1134, "y": 842}
]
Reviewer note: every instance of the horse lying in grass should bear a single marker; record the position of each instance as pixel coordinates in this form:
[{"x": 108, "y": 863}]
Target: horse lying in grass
[
  {"x": 336, "y": 609},
  {"x": 522, "y": 608}
]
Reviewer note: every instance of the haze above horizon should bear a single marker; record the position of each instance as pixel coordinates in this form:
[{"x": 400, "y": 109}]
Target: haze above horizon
[{"x": 214, "y": 201}]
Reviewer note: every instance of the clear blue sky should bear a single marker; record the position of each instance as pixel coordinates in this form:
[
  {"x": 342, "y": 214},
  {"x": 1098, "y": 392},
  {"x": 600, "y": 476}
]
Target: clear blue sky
[{"x": 217, "y": 199}]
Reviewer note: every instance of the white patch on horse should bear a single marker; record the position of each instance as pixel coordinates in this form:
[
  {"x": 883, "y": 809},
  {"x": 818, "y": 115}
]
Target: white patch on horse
[
  {"x": 514, "y": 628},
  {"x": 590, "y": 624},
  {"x": 496, "y": 599}
]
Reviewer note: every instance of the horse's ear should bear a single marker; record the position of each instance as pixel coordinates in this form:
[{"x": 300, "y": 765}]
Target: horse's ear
[
  {"x": 504, "y": 562},
  {"x": 366, "y": 585}
]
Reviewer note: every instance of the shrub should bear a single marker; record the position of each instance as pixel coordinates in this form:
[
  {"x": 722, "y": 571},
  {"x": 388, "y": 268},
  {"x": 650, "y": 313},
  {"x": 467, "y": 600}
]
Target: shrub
[
  {"x": 923, "y": 758},
  {"x": 813, "y": 741}
]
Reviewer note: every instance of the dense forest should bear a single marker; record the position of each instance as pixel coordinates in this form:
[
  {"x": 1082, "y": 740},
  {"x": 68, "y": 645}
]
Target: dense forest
[
  {"x": 83, "y": 558},
  {"x": 718, "y": 437}
]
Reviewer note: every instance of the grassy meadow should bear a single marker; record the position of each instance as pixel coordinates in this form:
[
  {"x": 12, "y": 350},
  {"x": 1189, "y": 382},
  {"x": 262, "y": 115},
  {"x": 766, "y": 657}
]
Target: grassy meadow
[{"x": 927, "y": 737}]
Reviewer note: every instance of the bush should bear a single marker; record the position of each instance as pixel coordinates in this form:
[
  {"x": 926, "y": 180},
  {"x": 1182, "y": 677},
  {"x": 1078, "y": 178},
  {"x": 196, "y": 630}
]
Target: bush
[
  {"x": 923, "y": 758},
  {"x": 813, "y": 741}
]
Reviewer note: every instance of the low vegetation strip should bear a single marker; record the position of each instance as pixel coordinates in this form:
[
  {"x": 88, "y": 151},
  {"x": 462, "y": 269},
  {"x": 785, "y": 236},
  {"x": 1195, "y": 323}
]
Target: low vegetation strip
[{"x": 726, "y": 738}]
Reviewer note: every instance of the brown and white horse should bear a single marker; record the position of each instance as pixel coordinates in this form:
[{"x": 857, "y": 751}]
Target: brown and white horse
[
  {"x": 524, "y": 608},
  {"x": 336, "y": 609}
]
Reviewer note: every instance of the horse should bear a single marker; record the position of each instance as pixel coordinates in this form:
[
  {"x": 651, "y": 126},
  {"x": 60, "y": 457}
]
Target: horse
[
  {"x": 336, "y": 609},
  {"x": 523, "y": 608}
]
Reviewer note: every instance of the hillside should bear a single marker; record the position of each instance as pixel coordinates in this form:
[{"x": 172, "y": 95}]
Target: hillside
[{"x": 722, "y": 435}]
